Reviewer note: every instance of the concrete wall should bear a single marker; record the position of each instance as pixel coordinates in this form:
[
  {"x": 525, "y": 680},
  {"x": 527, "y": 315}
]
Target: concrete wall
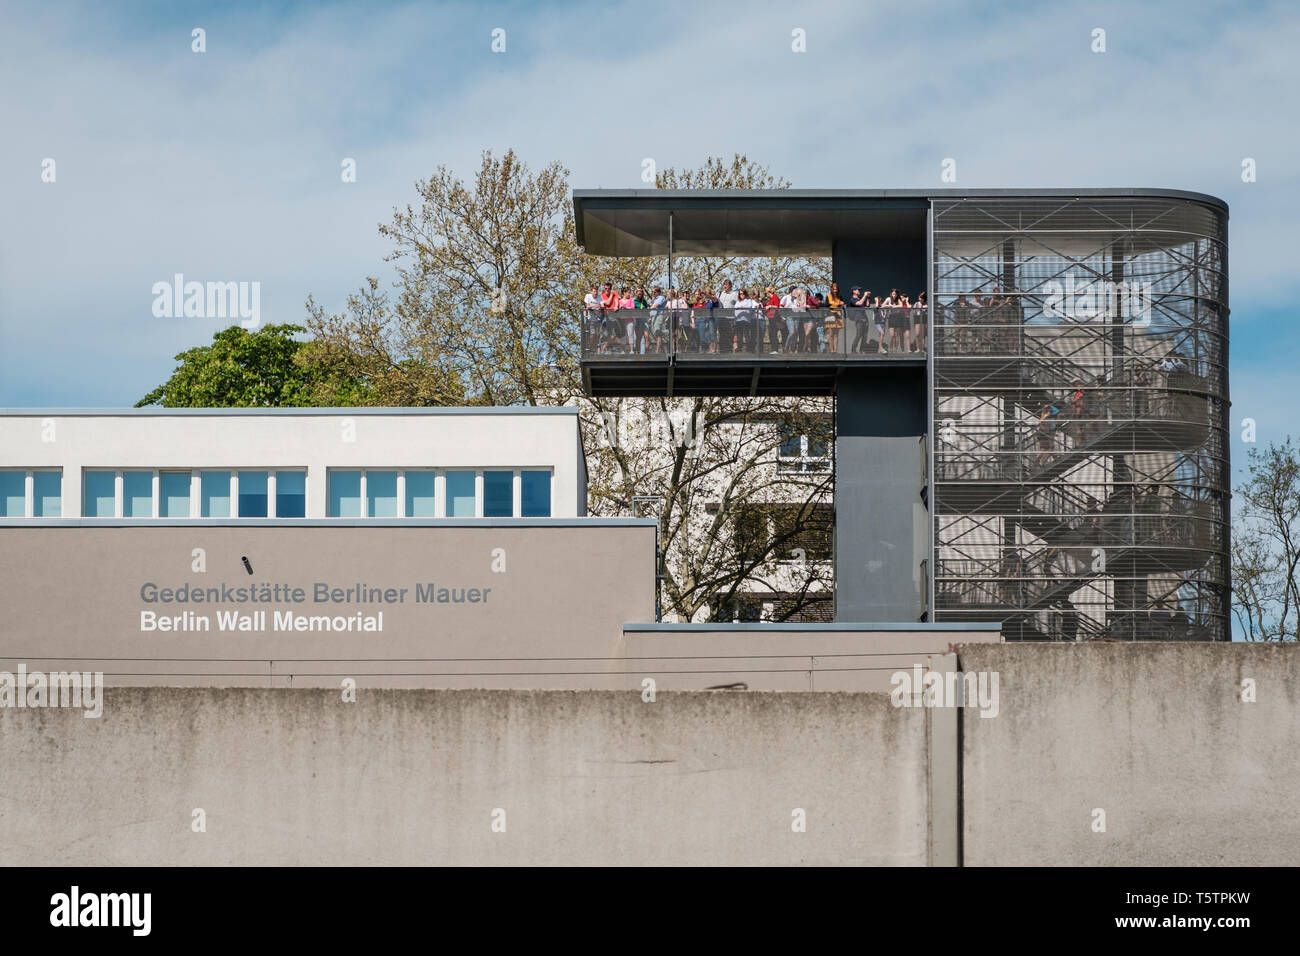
[
  {"x": 821, "y": 657},
  {"x": 314, "y": 439},
  {"x": 1156, "y": 735},
  {"x": 413, "y": 777}
]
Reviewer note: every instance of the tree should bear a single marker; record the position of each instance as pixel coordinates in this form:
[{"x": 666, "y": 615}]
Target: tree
[
  {"x": 486, "y": 274},
  {"x": 1266, "y": 546},
  {"x": 490, "y": 280},
  {"x": 263, "y": 368}
]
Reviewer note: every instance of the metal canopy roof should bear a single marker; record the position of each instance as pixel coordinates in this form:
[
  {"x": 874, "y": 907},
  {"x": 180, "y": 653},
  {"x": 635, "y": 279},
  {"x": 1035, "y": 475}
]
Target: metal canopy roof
[{"x": 768, "y": 222}]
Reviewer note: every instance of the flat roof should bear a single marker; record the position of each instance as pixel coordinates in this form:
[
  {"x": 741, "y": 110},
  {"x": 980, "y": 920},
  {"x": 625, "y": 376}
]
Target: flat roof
[
  {"x": 67, "y": 523},
  {"x": 151, "y": 411},
  {"x": 770, "y": 222}
]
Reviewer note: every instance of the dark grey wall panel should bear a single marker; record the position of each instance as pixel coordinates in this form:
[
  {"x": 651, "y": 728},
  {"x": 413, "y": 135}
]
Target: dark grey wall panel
[
  {"x": 881, "y": 524},
  {"x": 882, "y": 264}
]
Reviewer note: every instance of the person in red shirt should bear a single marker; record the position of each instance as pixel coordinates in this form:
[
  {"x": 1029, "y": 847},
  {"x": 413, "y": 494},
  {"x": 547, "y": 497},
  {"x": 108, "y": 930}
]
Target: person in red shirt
[{"x": 775, "y": 327}]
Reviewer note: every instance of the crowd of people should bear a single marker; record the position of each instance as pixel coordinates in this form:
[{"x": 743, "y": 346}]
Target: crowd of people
[{"x": 753, "y": 321}]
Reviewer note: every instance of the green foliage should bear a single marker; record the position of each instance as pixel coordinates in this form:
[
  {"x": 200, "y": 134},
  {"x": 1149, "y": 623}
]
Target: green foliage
[{"x": 260, "y": 369}]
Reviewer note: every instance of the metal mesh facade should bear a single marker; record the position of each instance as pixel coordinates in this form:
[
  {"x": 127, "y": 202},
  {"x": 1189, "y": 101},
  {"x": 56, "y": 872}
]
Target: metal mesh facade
[{"x": 1080, "y": 485}]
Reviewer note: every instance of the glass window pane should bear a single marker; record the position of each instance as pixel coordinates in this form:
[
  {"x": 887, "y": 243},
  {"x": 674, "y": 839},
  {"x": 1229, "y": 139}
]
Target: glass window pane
[
  {"x": 137, "y": 494},
  {"x": 460, "y": 494},
  {"x": 498, "y": 494},
  {"x": 47, "y": 494},
  {"x": 98, "y": 494},
  {"x": 13, "y": 494},
  {"x": 381, "y": 494},
  {"x": 345, "y": 494},
  {"x": 291, "y": 494},
  {"x": 174, "y": 494},
  {"x": 214, "y": 494},
  {"x": 419, "y": 494},
  {"x": 252, "y": 494},
  {"x": 535, "y": 494}
]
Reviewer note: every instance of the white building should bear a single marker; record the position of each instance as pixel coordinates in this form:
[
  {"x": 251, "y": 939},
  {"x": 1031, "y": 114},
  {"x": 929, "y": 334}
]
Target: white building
[{"x": 292, "y": 463}]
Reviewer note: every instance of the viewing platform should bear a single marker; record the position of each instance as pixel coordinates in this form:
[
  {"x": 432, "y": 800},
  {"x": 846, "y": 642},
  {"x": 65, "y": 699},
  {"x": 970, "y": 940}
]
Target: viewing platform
[{"x": 763, "y": 351}]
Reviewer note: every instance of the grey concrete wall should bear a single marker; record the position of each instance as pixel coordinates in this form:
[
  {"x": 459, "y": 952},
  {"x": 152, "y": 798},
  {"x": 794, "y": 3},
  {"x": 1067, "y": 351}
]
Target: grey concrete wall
[
  {"x": 820, "y": 657},
  {"x": 1155, "y": 735},
  {"x": 413, "y": 777}
]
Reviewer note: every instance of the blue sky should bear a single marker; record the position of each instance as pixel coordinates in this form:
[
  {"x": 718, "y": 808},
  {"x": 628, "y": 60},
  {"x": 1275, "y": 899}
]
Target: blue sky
[{"x": 225, "y": 165}]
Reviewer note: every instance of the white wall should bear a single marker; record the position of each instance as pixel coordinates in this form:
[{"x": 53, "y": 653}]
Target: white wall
[{"x": 298, "y": 438}]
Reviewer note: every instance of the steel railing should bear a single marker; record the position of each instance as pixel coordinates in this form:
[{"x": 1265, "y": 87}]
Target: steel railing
[{"x": 773, "y": 333}]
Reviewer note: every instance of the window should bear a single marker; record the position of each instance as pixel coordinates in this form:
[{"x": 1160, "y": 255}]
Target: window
[
  {"x": 182, "y": 494},
  {"x": 47, "y": 494},
  {"x": 803, "y": 533},
  {"x": 214, "y": 494},
  {"x": 99, "y": 495},
  {"x": 137, "y": 494},
  {"x": 291, "y": 494},
  {"x": 498, "y": 494},
  {"x": 775, "y": 532},
  {"x": 420, "y": 497},
  {"x": 252, "y": 494},
  {"x": 13, "y": 494},
  {"x": 461, "y": 499},
  {"x": 174, "y": 494},
  {"x": 535, "y": 494},
  {"x": 381, "y": 494},
  {"x": 430, "y": 493},
  {"x": 804, "y": 447},
  {"x": 345, "y": 494}
]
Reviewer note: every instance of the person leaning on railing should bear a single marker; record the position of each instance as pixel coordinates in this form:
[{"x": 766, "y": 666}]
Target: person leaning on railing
[
  {"x": 608, "y": 321},
  {"x": 591, "y": 319},
  {"x": 775, "y": 324},
  {"x": 728, "y": 334},
  {"x": 641, "y": 302},
  {"x": 677, "y": 333},
  {"x": 703, "y": 321},
  {"x": 627, "y": 316},
  {"x": 920, "y": 316},
  {"x": 799, "y": 316},
  {"x": 834, "y": 319},
  {"x": 658, "y": 321},
  {"x": 860, "y": 299}
]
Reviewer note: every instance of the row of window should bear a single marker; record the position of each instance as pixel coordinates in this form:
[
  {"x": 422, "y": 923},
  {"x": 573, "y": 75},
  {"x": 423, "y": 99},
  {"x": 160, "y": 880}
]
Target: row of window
[
  {"x": 486, "y": 493},
  {"x": 282, "y": 493},
  {"x": 132, "y": 493}
]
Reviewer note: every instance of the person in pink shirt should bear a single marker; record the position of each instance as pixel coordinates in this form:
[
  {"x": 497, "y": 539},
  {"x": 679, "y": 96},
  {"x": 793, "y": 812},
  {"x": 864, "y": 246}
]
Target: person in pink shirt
[{"x": 627, "y": 315}]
